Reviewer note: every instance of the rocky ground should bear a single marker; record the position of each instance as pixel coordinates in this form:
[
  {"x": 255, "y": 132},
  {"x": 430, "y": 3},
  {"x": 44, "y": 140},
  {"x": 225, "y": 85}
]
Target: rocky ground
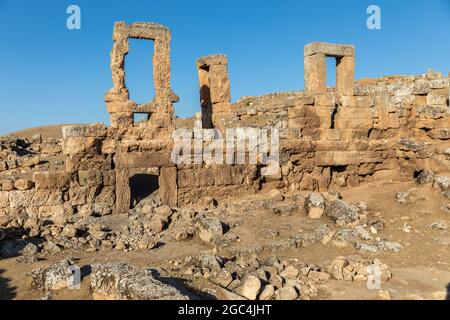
[{"x": 272, "y": 245}]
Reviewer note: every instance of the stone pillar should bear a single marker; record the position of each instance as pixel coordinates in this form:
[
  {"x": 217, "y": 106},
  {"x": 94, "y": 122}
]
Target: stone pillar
[
  {"x": 345, "y": 75},
  {"x": 214, "y": 85},
  {"x": 168, "y": 188},
  {"x": 123, "y": 192},
  {"x": 315, "y": 74}
]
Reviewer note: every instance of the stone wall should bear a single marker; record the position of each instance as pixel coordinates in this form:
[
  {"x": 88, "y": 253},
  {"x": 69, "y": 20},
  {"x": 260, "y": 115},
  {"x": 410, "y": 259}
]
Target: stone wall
[{"x": 360, "y": 131}]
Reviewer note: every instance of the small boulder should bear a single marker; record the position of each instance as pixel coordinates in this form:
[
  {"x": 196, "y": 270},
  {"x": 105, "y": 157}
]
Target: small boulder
[
  {"x": 314, "y": 205},
  {"x": 341, "y": 212},
  {"x": 164, "y": 212},
  {"x": 249, "y": 288},
  {"x": 286, "y": 293},
  {"x": 442, "y": 183},
  {"x": 424, "y": 177},
  {"x": 276, "y": 195},
  {"x": 209, "y": 229},
  {"x": 23, "y": 184},
  {"x": 267, "y": 293},
  {"x": 290, "y": 272},
  {"x": 223, "y": 278},
  {"x": 157, "y": 224}
]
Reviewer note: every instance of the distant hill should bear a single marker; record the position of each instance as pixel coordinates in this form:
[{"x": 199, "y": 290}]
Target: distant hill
[{"x": 50, "y": 131}]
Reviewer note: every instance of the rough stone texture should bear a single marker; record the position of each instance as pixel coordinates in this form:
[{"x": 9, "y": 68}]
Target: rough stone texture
[
  {"x": 250, "y": 288},
  {"x": 338, "y": 210},
  {"x": 315, "y": 67},
  {"x": 442, "y": 183},
  {"x": 209, "y": 229},
  {"x": 330, "y": 138},
  {"x": 56, "y": 277},
  {"x": 315, "y": 205},
  {"x": 215, "y": 96},
  {"x": 121, "y": 109},
  {"x": 120, "y": 281}
]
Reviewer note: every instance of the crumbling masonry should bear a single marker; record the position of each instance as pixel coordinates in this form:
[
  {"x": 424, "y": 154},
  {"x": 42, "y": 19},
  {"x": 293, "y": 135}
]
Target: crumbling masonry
[{"x": 330, "y": 138}]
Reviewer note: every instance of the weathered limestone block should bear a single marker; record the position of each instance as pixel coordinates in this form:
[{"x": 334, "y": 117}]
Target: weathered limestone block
[
  {"x": 323, "y": 145},
  {"x": 28, "y": 161},
  {"x": 120, "y": 106},
  {"x": 23, "y": 184},
  {"x": 222, "y": 175},
  {"x": 79, "y": 145},
  {"x": 51, "y": 180},
  {"x": 92, "y": 130},
  {"x": 109, "y": 146},
  {"x": 90, "y": 178},
  {"x": 168, "y": 187},
  {"x": 213, "y": 76},
  {"x": 345, "y": 75},
  {"x": 439, "y": 83},
  {"x": 7, "y": 185},
  {"x": 3, "y": 166},
  {"x": 421, "y": 87},
  {"x": 56, "y": 277},
  {"x": 434, "y": 99},
  {"x": 121, "y": 119},
  {"x": 4, "y": 199},
  {"x": 433, "y": 112},
  {"x": 34, "y": 198},
  {"x": 314, "y": 205},
  {"x": 330, "y": 49},
  {"x": 106, "y": 197},
  {"x": 123, "y": 192},
  {"x": 337, "y": 158},
  {"x": 347, "y": 118},
  {"x": 441, "y": 133},
  {"x": 357, "y": 102},
  {"x": 78, "y": 195},
  {"x": 186, "y": 178},
  {"x": 306, "y": 122},
  {"x": 220, "y": 84},
  {"x": 58, "y": 213},
  {"x": 143, "y": 160},
  {"x": 315, "y": 73},
  {"x": 109, "y": 177},
  {"x": 12, "y": 164}
]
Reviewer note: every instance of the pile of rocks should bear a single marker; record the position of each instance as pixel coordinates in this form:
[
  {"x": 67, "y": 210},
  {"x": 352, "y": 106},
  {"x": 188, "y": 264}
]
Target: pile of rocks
[
  {"x": 147, "y": 226},
  {"x": 269, "y": 278}
]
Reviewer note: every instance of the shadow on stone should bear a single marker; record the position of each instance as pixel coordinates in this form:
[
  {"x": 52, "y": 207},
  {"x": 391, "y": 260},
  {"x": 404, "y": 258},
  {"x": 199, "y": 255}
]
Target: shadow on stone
[
  {"x": 13, "y": 242},
  {"x": 182, "y": 286}
]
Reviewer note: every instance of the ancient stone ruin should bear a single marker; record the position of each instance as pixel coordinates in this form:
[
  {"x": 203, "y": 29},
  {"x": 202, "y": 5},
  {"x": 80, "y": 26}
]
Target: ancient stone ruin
[
  {"x": 118, "y": 186},
  {"x": 329, "y": 137}
]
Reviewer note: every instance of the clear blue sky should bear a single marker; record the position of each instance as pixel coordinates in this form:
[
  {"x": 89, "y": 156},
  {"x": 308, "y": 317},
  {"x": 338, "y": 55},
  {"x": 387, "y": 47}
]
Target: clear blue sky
[{"x": 51, "y": 75}]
